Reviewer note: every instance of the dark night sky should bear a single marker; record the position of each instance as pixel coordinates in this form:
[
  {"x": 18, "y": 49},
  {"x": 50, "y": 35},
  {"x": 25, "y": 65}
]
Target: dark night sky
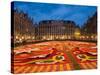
[{"x": 44, "y": 11}]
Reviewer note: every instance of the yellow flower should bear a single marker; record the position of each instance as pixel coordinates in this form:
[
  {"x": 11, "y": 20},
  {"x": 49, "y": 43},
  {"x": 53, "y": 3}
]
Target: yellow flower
[{"x": 58, "y": 58}]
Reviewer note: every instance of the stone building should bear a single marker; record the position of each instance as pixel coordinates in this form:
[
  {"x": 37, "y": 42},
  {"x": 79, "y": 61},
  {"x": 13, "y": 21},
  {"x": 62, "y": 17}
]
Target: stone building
[
  {"x": 55, "y": 29},
  {"x": 23, "y": 27},
  {"x": 89, "y": 30}
]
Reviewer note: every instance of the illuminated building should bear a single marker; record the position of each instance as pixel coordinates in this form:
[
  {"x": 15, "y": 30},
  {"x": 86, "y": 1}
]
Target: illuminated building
[
  {"x": 89, "y": 30},
  {"x": 24, "y": 29},
  {"x": 55, "y": 30}
]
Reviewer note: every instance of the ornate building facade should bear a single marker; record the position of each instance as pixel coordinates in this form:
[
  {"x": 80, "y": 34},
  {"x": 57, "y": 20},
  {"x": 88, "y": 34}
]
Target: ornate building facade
[
  {"x": 89, "y": 30},
  {"x": 55, "y": 29},
  {"x": 23, "y": 27},
  {"x": 26, "y": 31}
]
